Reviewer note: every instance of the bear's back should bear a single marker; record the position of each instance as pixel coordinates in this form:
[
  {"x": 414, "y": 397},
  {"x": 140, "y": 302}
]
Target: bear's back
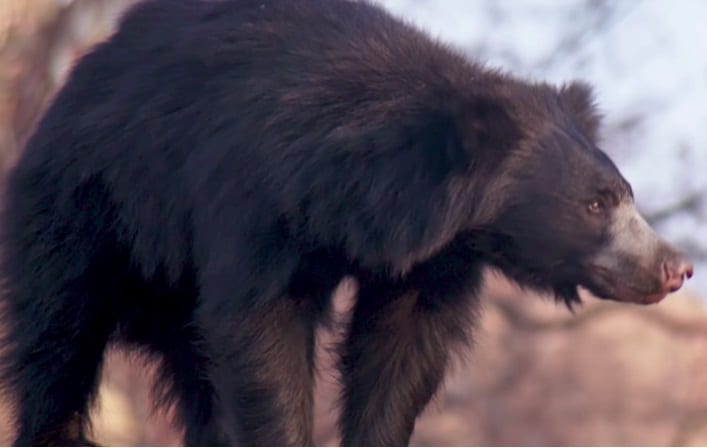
[{"x": 265, "y": 104}]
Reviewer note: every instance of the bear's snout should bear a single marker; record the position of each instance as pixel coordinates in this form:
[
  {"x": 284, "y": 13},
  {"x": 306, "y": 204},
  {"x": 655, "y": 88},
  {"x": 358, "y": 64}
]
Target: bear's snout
[
  {"x": 637, "y": 265},
  {"x": 675, "y": 269}
]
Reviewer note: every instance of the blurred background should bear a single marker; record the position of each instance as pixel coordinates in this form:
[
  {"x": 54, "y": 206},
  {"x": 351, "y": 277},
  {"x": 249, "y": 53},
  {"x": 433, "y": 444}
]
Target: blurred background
[{"x": 607, "y": 375}]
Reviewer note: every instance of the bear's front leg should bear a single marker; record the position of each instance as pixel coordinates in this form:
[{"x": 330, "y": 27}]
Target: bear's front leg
[
  {"x": 260, "y": 344},
  {"x": 263, "y": 375},
  {"x": 398, "y": 347}
]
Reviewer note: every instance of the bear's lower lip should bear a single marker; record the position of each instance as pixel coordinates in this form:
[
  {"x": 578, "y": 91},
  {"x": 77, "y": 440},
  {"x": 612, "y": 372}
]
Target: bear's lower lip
[
  {"x": 640, "y": 298},
  {"x": 609, "y": 287},
  {"x": 653, "y": 298},
  {"x": 624, "y": 294},
  {"x": 637, "y": 298}
]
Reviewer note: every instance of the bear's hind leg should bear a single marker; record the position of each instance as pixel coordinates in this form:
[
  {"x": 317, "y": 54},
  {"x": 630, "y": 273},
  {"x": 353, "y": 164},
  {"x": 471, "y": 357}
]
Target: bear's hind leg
[
  {"x": 52, "y": 360},
  {"x": 182, "y": 381},
  {"x": 60, "y": 287},
  {"x": 184, "y": 375}
]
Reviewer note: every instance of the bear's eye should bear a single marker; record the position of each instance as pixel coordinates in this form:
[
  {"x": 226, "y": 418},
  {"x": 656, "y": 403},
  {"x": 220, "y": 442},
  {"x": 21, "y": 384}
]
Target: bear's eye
[{"x": 596, "y": 206}]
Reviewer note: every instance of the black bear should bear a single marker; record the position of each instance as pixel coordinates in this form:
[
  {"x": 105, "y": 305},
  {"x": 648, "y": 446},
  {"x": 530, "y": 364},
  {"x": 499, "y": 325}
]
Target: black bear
[{"x": 208, "y": 174}]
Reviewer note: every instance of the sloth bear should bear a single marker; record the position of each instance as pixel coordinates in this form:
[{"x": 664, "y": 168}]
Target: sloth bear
[{"x": 208, "y": 175}]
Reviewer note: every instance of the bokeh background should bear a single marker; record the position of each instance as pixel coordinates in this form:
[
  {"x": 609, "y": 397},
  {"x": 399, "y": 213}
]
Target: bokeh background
[{"x": 609, "y": 374}]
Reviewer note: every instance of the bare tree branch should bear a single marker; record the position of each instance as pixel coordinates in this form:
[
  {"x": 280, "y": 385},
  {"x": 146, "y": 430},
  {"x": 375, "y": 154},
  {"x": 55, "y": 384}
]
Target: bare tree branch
[{"x": 690, "y": 203}]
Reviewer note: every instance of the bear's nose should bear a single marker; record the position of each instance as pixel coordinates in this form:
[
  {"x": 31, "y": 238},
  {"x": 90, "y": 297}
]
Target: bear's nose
[{"x": 675, "y": 270}]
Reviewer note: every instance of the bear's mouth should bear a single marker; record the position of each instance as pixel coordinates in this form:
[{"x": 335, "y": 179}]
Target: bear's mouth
[{"x": 607, "y": 285}]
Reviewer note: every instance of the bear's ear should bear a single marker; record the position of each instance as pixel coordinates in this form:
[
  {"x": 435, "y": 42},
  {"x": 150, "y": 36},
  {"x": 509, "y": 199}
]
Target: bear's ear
[
  {"x": 486, "y": 129},
  {"x": 441, "y": 145},
  {"x": 471, "y": 134},
  {"x": 578, "y": 99}
]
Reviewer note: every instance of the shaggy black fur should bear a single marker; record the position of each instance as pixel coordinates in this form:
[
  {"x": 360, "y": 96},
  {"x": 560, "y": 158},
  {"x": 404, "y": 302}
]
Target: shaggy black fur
[{"x": 208, "y": 175}]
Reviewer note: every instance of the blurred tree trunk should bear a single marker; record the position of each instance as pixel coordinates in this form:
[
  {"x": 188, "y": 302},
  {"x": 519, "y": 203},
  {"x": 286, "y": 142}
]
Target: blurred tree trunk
[{"x": 39, "y": 40}]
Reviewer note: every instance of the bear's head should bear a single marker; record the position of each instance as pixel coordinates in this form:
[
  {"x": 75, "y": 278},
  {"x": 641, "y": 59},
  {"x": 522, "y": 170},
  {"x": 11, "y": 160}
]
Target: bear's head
[{"x": 567, "y": 216}]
